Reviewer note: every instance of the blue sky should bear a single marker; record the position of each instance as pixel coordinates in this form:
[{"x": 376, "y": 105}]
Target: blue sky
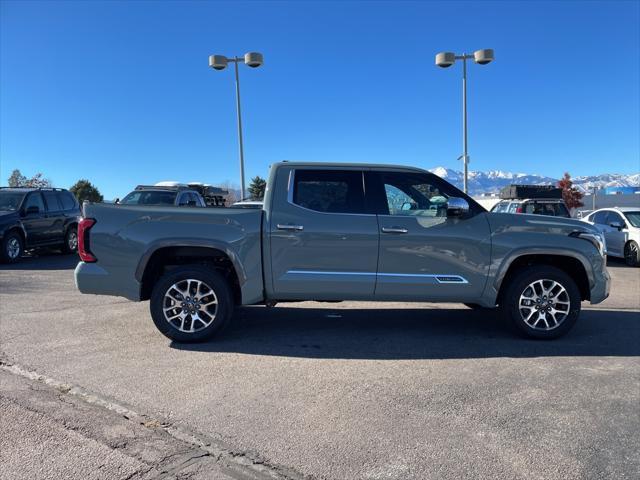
[{"x": 121, "y": 93}]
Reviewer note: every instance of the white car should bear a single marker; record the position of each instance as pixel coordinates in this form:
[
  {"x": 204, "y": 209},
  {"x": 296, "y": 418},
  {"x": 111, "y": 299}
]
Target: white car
[{"x": 621, "y": 230}]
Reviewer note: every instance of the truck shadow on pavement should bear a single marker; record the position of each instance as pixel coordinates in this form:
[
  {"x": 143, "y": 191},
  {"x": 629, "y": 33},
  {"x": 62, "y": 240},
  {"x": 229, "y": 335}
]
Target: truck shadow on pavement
[
  {"x": 44, "y": 260},
  {"x": 393, "y": 334}
]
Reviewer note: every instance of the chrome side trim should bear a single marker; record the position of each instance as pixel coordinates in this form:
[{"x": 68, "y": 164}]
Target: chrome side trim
[
  {"x": 314, "y": 272},
  {"x": 440, "y": 278}
]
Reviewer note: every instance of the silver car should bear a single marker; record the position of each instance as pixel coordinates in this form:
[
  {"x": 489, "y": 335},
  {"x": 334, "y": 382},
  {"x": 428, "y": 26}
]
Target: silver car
[{"x": 621, "y": 229}]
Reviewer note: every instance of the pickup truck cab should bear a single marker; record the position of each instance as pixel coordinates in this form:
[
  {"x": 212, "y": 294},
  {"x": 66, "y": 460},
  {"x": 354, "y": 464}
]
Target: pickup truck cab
[{"x": 332, "y": 232}]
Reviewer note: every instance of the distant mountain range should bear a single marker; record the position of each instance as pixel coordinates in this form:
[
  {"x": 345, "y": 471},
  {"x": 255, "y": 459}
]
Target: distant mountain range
[{"x": 493, "y": 180}]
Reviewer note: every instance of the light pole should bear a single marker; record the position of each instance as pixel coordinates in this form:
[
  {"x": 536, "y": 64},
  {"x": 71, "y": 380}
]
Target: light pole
[
  {"x": 219, "y": 62},
  {"x": 446, "y": 59}
]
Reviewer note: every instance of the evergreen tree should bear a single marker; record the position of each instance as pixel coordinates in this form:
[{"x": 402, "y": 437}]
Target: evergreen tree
[
  {"x": 257, "y": 188},
  {"x": 85, "y": 190}
]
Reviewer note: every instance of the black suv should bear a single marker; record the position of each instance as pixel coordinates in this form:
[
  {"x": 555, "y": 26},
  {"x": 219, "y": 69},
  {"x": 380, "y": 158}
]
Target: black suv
[{"x": 37, "y": 217}]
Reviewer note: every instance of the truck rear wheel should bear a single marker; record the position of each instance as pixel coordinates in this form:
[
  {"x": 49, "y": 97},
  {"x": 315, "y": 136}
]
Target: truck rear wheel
[
  {"x": 541, "y": 302},
  {"x": 191, "y": 304}
]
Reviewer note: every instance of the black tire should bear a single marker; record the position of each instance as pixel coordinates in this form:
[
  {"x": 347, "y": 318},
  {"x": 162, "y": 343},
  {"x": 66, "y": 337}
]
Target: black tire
[
  {"x": 517, "y": 287},
  {"x": 217, "y": 319},
  {"x": 12, "y": 247},
  {"x": 70, "y": 240},
  {"x": 632, "y": 254}
]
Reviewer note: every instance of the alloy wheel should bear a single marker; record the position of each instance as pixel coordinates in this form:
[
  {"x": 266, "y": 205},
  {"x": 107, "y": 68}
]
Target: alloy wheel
[
  {"x": 13, "y": 248},
  {"x": 544, "y": 304},
  {"x": 190, "y": 305},
  {"x": 72, "y": 241}
]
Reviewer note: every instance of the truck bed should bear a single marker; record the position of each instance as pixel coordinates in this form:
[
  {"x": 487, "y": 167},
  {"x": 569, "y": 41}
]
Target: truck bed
[{"x": 125, "y": 237}]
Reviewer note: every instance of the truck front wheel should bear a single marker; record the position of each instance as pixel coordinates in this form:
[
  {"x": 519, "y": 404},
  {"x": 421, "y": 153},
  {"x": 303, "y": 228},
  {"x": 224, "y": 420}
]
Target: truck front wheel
[
  {"x": 541, "y": 302},
  {"x": 191, "y": 304}
]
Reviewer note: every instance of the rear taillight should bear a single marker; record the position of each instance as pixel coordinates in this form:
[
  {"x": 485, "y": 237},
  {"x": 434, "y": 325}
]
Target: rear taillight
[
  {"x": 83, "y": 240},
  {"x": 519, "y": 210}
]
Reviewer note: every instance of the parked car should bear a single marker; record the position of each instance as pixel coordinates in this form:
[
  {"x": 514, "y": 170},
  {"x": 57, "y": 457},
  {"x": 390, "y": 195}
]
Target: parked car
[
  {"x": 583, "y": 213},
  {"x": 179, "y": 195},
  {"x": 538, "y": 206},
  {"x": 332, "y": 232},
  {"x": 37, "y": 217},
  {"x": 621, "y": 229}
]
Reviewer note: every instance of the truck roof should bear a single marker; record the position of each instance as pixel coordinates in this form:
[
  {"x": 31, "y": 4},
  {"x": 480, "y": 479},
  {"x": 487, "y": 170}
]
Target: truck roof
[{"x": 350, "y": 165}]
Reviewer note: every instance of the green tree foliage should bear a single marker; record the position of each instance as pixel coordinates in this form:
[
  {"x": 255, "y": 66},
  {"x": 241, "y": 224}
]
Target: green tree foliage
[
  {"x": 84, "y": 190},
  {"x": 17, "y": 179},
  {"x": 571, "y": 195},
  {"x": 257, "y": 188}
]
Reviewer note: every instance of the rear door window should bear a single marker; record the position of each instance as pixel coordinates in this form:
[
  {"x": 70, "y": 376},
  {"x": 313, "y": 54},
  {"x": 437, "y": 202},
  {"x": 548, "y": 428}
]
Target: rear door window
[
  {"x": 67, "y": 200},
  {"x": 51, "y": 199},
  {"x": 329, "y": 191},
  {"x": 600, "y": 218}
]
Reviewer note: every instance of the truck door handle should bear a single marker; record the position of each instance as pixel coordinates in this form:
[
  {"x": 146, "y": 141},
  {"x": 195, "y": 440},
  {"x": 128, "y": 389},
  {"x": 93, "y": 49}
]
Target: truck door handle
[
  {"x": 394, "y": 230},
  {"x": 294, "y": 228}
]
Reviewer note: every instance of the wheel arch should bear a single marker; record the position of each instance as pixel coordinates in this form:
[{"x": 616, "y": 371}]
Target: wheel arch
[
  {"x": 574, "y": 264},
  {"x": 163, "y": 258},
  {"x": 19, "y": 229},
  {"x": 72, "y": 223}
]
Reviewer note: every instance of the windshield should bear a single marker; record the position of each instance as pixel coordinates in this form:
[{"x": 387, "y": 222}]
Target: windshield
[
  {"x": 10, "y": 201},
  {"x": 149, "y": 198},
  {"x": 634, "y": 218}
]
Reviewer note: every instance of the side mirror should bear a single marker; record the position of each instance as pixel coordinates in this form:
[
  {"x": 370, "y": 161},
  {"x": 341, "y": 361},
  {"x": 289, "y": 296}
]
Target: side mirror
[
  {"x": 406, "y": 206},
  {"x": 32, "y": 210},
  {"x": 617, "y": 225},
  {"x": 457, "y": 207},
  {"x": 116, "y": 200}
]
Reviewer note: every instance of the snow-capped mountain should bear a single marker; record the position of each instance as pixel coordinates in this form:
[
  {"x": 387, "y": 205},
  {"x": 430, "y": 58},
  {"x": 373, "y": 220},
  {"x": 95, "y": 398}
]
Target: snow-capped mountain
[{"x": 493, "y": 180}]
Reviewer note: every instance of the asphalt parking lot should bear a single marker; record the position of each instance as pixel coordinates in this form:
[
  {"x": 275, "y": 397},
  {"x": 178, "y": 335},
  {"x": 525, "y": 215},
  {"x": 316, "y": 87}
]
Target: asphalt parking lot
[{"x": 338, "y": 391}]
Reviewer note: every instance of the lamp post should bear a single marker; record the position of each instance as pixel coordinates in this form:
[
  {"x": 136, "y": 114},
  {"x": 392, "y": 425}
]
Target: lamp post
[
  {"x": 445, "y": 60},
  {"x": 219, "y": 62}
]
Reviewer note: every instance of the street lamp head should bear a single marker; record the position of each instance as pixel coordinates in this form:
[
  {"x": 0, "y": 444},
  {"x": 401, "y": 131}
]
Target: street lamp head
[
  {"x": 483, "y": 56},
  {"x": 253, "y": 59},
  {"x": 445, "y": 59},
  {"x": 218, "y": 62}
]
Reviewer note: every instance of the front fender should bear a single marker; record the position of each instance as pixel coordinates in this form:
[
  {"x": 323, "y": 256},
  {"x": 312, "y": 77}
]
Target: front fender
[
  {"x": 598, "y": 284},
  {"x": 508, "y": 260},
  {"x": 14, "y": 226}
]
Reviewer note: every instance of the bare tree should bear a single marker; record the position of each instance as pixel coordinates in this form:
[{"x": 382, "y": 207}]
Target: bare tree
[{"x": 233, "y": 189}]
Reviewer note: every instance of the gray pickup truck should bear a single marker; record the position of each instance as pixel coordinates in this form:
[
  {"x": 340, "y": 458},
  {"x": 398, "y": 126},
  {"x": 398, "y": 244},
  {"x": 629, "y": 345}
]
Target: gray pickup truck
[{"x": 331, "y": 232}]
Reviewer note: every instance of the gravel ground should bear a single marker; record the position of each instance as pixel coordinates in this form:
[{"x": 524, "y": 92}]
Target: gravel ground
[{"x": 339, "y": 391}]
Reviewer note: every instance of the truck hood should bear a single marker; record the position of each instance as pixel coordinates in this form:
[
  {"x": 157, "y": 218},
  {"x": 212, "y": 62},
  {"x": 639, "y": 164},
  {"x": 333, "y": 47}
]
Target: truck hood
[{"x": 501, "y": 222}]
